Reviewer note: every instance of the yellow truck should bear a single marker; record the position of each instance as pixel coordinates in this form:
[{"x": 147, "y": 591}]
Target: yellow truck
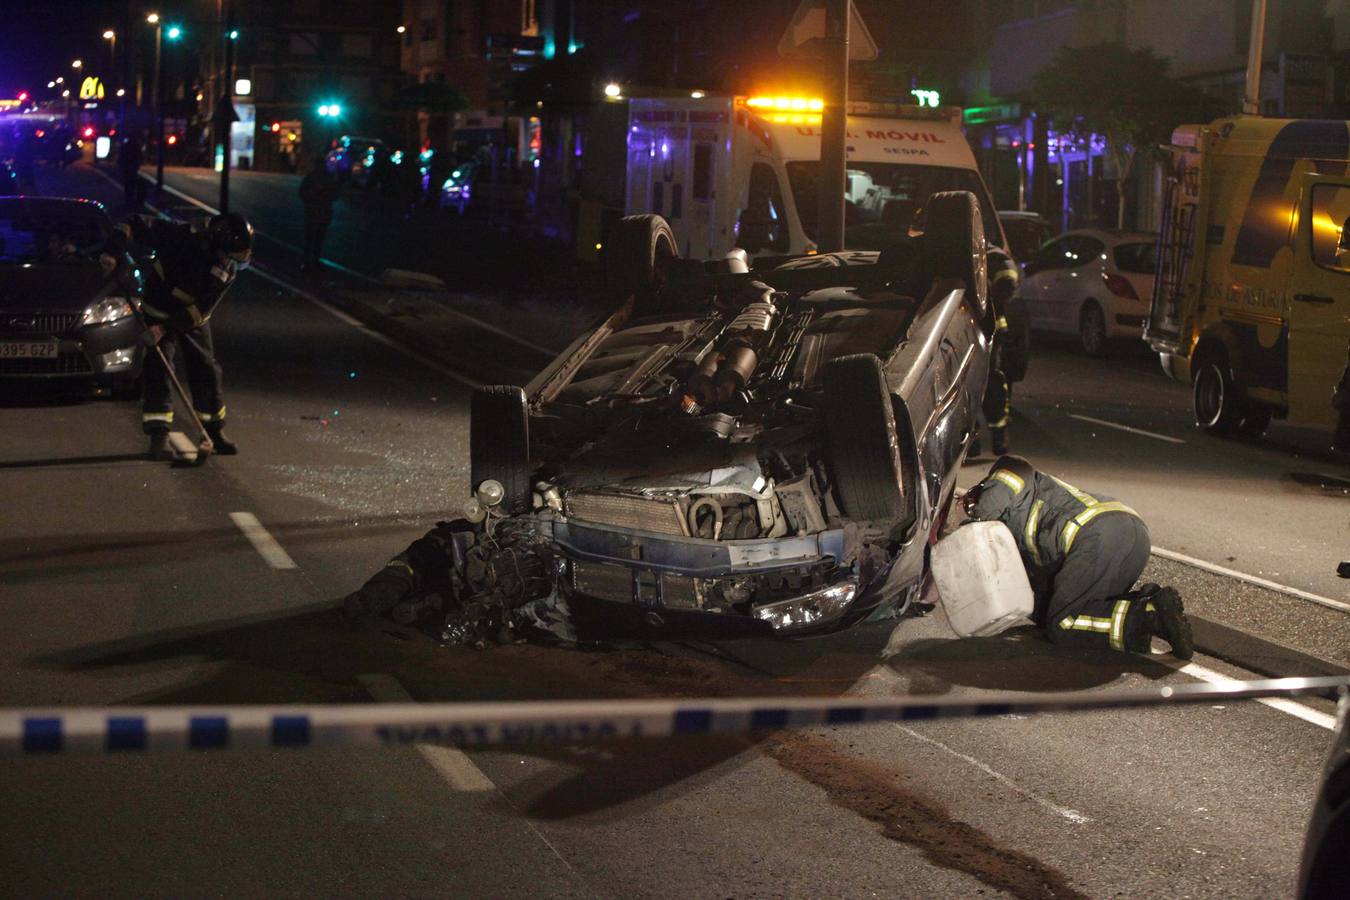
[{"x": 1252, "y": 299}]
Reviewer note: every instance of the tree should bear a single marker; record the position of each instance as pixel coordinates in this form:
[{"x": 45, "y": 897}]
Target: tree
[{"x": 1122, "y": 94}]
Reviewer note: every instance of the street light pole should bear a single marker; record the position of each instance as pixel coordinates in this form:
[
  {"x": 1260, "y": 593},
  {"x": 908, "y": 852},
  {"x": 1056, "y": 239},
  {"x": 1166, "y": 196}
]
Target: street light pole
[
  {"x": 833, "y": 128},
  {"x": 1251, "y": 101},
  {"x": 225, "y": 116},
  {"x": 159, "y": 102}
]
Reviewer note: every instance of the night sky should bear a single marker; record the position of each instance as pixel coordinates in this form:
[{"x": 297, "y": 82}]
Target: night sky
[{"x": 39, "y": 38}]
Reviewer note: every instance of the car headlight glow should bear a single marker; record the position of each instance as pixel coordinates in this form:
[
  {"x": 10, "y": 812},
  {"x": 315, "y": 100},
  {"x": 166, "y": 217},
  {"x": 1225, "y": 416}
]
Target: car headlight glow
[
  {"x": 808, "y": 609},
  {"x": 109, "y": 309}
]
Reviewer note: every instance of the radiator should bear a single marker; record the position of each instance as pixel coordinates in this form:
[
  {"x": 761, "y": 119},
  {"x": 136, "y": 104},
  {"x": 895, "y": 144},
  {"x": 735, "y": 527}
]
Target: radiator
[{"x": 626, "y": 511}]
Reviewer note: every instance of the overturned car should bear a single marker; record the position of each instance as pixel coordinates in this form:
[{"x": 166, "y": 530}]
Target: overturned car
[{"x": 730, "y": 452}]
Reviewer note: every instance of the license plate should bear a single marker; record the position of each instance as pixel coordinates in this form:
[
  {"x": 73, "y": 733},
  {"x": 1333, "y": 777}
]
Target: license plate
[{"x": 28, "y": 349}]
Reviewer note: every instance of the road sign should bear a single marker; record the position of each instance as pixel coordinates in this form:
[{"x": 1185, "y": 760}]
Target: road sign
[{"x": 806, "y": 31}]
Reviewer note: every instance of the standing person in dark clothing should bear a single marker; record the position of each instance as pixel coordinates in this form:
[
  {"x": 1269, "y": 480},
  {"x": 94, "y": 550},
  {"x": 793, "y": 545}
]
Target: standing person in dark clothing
[
  {"x": 319, "y": 190},
  {"x": 130, "y": 157},
  {"x": 1083, "y": 554},
  {"x": 190, "y": 272}
]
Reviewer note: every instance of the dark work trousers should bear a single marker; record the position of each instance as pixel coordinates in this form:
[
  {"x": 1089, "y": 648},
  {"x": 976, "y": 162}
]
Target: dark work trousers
[
  {"x": 1086, "y": 603},
  {"x": 316, "y": 228},
  {"x": 193, "y": 356}
]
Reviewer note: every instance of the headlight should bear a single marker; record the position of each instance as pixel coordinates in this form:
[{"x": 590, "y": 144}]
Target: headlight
[
  {"x": 810, "y": 609},
  {"x": 109, "y": 309}
]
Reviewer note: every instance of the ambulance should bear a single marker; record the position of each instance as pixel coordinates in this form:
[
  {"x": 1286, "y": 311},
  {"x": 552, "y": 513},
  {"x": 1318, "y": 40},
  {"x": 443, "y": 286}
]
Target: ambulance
[
  {"x": 743, "y": 171},
  {"x": 1252, "y": 299}
]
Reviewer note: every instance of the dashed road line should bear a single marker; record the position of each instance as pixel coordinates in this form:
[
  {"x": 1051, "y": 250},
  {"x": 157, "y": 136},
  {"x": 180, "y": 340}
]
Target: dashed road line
[
  {"x": 1290, "y": 707},
  {"x": 449, "y": 762},
  {"x": 1131, "y": 429},
  {"x": 1251, "y": 579},
  {"x": 266, "y": 545}
]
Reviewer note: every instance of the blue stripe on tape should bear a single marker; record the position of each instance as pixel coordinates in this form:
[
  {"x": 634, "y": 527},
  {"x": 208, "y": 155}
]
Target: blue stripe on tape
[
  {"x": 41, "y": 735},
  {"x": 842, "y": 715},
  {"x": 693, "y": 721},
  {"x": 290, "y": 731},
  {"x": 208, "y": 731},
  {"x": 126, "y": 733},
  {"x": 768, "y": 719},
  {"x": 993, "y": 709},
  {"x": 919, "y": 712}
]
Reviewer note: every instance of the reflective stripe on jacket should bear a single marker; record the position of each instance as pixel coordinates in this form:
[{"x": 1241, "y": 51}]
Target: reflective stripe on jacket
[{"x": 1044, "y": 513}]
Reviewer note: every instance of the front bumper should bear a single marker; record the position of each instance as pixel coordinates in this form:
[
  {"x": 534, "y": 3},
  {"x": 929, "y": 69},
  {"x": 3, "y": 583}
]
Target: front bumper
[
  {"x": 638, "y": 582},
  {"x": 111, "y": 350}
]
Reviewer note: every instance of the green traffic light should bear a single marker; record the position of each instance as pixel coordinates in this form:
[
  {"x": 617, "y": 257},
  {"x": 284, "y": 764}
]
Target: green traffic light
[{"x": 174, "y": 33}]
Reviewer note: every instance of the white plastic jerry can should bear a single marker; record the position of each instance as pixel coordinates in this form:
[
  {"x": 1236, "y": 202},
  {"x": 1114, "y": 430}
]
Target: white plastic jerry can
[{"x": 981, "y": 580}]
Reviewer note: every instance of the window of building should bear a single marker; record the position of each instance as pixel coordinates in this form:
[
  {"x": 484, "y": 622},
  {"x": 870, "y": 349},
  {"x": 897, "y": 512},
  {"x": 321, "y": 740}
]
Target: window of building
[
  {"x": 428, "y": 30},
  {"x": 356, "y": 87},
  {"x": 304, "y": 43},
  {"x": 357, "y": 46},
  {"x": 304, "y": 8}
]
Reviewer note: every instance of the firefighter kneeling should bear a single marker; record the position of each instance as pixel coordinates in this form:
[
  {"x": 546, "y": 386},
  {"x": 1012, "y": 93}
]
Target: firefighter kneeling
[{"x": 1083, "y": 554}]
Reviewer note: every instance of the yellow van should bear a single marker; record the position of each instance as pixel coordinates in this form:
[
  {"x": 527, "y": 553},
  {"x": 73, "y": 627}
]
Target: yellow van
[{"x": 1252, "y": 299}]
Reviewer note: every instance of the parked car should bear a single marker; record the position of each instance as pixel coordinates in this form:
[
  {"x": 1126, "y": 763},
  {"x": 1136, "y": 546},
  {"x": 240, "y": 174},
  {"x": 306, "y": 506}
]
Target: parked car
[
  {"x": 1026, "y": 232},
  {"x": 1093, "y": 283},
  {"x": 735, "y": 451},
  {"x": 458, "y": 188},
  {"x": 353, "y": 157},
  {"x": 66, "y": 306}
]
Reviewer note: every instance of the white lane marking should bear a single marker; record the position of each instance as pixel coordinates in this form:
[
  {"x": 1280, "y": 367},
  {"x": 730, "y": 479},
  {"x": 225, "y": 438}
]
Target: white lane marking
[
  {"x": 1129, "y": 428},
  {"x": 1298, "y": 710},
  {"x": 449, "y": 762},
  {"x": 266, "y": 545},
  {"x": 1251, "y": 579},
  {"x": 486, "y": 326},
  {"x": 362, "y": 327},
  {"x": 452, "y": 764},
  {"x": 1072, "y": 815}
]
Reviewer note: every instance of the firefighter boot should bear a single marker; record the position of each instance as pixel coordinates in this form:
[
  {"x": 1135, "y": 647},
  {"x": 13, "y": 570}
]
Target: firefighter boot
[
  {"x": 999, "y": 438},
  {"x": 224, "y": 446},
  {"x": 159, "y": 447},
  {"x": 1158, "y": 613}
]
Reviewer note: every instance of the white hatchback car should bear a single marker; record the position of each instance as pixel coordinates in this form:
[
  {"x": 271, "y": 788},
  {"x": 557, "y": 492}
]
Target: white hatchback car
[{"x": 1093, "y": 283}]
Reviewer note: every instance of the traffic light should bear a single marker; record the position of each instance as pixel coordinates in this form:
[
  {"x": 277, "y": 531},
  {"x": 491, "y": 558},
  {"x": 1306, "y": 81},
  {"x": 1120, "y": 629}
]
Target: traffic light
[
  {"x": 330, "y": 110},
  {"x": 173, "y": 32}
]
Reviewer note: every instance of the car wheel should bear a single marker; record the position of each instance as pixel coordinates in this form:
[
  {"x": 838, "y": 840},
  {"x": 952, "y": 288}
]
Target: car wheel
[
  {"x": 1218, "y": 402},
  {"x": 1257, "y": 420},
  {"x": 953, "y": 242},
  {"x": 638, "y": 255},
  {"x": 499, "y": 443},
  {"x": 860, "y": 433},
  {"x": 123, "y": 389},
  {"x": 1092, "y": 329}
]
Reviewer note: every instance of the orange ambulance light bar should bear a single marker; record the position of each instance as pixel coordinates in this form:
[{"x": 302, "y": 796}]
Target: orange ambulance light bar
[
  {"x": 783, "y": 118},
  {"x": 786, "y": 104}
]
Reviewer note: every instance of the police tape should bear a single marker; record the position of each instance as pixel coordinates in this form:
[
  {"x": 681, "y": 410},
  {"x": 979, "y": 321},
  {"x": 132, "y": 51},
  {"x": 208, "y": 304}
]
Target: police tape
[{"x": 481, "y": 725}]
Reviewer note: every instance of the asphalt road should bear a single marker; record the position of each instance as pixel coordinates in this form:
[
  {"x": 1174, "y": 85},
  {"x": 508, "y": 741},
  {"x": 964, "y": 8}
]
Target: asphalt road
[{"x": 124, "y": 581}]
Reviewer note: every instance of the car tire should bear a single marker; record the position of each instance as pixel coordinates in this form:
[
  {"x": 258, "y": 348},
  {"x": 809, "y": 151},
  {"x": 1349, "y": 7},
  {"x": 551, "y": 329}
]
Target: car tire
[
  {"x": 638, "y": 254},
  {"x": 499, "y": 443},
  {"x": 125, "y": 389},
  {"x": 1092, "y": 329},
  {"x": 953, "y": 242},
  {"x": 1218, "y": 402},
  {"x": 1257, "y": 420},
  {"x": 861, "y": 437}
]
